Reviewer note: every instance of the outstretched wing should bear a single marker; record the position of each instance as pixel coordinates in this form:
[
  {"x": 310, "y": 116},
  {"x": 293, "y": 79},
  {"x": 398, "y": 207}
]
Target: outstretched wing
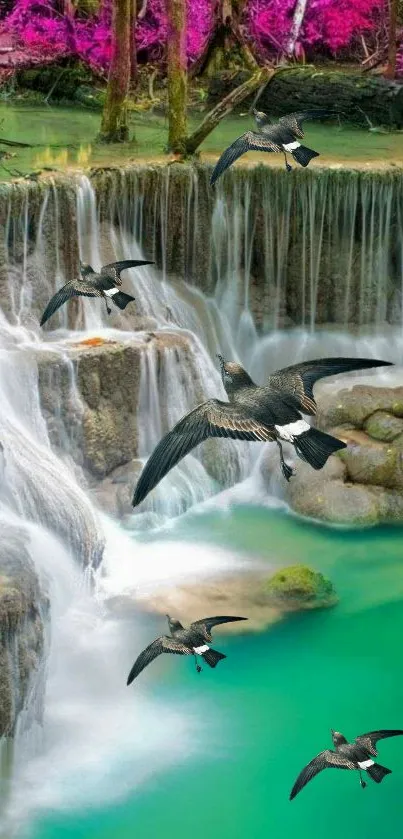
[
  {"x": 210, "y": 419},
  {"x": 250, "y": 141},
  {"x": 63, "y": 295},
  {"x": 164, "y": 644},
  {"x": 324, "y": 760},
  {"x": 208, "y": 623},
  {"x": 299, "y": 379},
  {"x": 294, "y": 121},
  {"x": 114, "y": 269},
  {"x": 370, "y": 739}
]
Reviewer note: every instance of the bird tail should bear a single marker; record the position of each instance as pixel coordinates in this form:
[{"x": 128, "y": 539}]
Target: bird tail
[
  {"x": 378, "y": 772},
  {"x": 315, "y": 447},
  {"x": 303, "y": 155},
  {"x": 121, "y": 299},
  {"x": 212, "y": 657}
]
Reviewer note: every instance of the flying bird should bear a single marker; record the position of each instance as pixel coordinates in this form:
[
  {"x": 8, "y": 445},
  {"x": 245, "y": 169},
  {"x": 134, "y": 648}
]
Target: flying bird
[
  {"x": 270, "y": 413},
  {"x": 278, "y": 137},
  {"x": 357, "y": 755},
  {"x": 104, "y": 284},
  {"x": 181, "y": 641}
]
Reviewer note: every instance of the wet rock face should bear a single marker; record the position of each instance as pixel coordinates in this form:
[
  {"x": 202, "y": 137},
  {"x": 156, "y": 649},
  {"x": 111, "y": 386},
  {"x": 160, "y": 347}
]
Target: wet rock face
[
  {"x": 40, "y": 246},
  {"x": 24, "y": 608},
  {"x": 303, "y": 246},
  {"x": 90, "y": 401},
  {"x": 362, "y": 484}
]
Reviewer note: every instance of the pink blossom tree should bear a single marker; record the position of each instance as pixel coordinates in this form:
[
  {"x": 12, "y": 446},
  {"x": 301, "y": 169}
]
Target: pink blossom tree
[{"x": 262, "y": 29}]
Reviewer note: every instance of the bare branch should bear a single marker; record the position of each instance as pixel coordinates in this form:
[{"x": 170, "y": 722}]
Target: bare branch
[{"x": 263, "y": 75}]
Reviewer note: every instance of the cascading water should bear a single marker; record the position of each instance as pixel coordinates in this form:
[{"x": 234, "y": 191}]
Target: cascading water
[
  {"x": 321, "y": 251},
  {"x": 40, "y": 493}
]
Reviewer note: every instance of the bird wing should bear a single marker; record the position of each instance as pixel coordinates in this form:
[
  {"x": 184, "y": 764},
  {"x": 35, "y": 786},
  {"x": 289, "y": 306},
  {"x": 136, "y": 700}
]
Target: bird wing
[
  {"x": 210, "y": 419},
  {"x": 324, "y": 760},
  {"x": 370, "y": 739},
  {"x": 294, "y": 121},
  {"x": 250, "y": 141},
  {"x": 66, "y": 293},
  {"x": 113, "y": 269},
  {"x": 299, "y": 379},
  {"x": 208, "y": 623},
  {"x": 164, "y": 644}
]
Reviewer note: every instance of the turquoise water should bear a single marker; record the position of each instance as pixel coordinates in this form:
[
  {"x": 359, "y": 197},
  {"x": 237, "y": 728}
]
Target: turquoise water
[{"x": 268, "y": 708}]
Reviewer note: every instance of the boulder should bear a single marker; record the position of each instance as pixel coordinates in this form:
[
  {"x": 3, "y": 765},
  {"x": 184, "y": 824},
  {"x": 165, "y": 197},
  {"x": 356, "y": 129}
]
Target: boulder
[
  {"x": 383, "y": 426},
  {"x": 354, "y": 406},
  {"x": 326, "y": 496},
  {"x": 362, "y": 485},
  {"x": 379, "y": 465}
]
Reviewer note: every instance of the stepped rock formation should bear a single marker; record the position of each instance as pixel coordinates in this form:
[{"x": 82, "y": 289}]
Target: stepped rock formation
[
  {"x": 90, "y": 400},
  {"x": 320, "y": 247},
  {"x": 363, "y": 485},
  {"x": 317, "y": 248}
]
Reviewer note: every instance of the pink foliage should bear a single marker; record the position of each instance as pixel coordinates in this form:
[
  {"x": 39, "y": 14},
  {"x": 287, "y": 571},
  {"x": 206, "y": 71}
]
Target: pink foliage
[
  {"x": 38, "y": 26},
  {"x": 330, "y": 25}
]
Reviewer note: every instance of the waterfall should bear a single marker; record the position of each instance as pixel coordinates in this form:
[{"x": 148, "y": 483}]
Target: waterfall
[
  {"x": 314, "y": 249},
  {"x": 319, "y": 253}
]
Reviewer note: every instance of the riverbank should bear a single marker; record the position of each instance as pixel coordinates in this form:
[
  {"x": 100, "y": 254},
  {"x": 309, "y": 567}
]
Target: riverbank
[{"x": 63, "y": 140}]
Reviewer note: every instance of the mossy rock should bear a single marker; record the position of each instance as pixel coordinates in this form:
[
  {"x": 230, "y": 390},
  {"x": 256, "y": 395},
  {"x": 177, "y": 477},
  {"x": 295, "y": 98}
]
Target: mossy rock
[
  {"x": 377, "y": 465},
  {"x": 298, "y": 587},
  {"x": 383, "y": 426},
  {"x": 354, "y": 407}
]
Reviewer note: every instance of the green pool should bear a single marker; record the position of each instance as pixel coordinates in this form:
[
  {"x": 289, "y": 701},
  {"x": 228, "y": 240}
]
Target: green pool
[
  {"x": 268, "y": 709},
  {"x": 65, "y": 137}
]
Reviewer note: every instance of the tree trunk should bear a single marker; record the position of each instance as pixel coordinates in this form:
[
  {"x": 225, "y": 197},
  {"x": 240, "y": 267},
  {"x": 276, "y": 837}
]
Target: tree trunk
[
  {"x": 114, "y": 124},
  {"x": 177, "y": 76},
  {"x": 225, "y": 41},
  {"x": 298, "y": 19},
  {"x": 390, "y": 71},
  {"x": 226, "y": 106},
  {"x": 133, "y": 47}
]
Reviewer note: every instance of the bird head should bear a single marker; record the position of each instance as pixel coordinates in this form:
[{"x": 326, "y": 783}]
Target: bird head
[
  {"x": 260, "y": 117},
  {"x": 85, "y": 269},
  {"x": 337, "y": 737},
  {"x": 173, "y": 625},
  {"x": 233, "y": 375}
]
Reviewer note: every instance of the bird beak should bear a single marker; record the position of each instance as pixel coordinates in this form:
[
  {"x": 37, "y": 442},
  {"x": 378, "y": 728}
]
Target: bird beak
[
  {"x": 220, "y": 358},
  {"x": 332, "y": 731}
]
